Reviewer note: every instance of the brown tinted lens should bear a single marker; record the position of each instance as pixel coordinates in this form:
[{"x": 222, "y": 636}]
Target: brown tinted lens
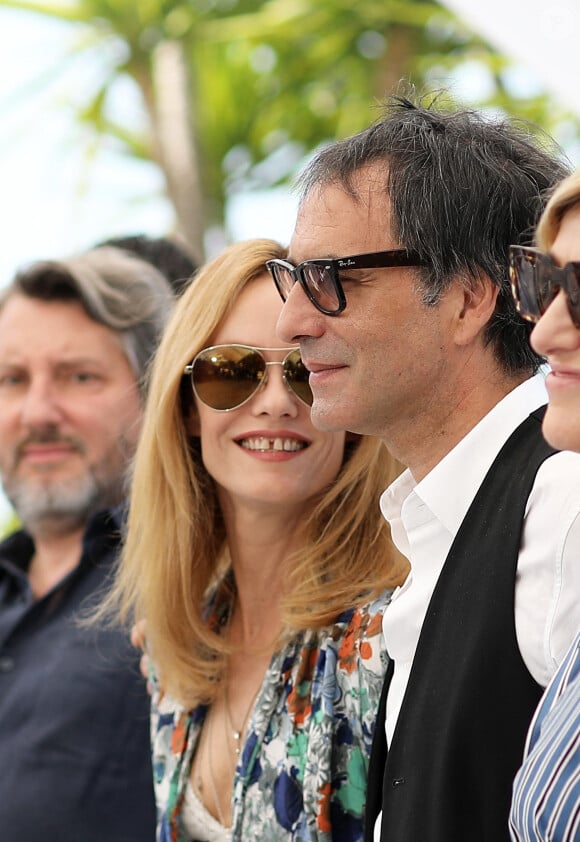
[
  {"x": 547, "y": 282},
  {"x": 536, "y": 282},
  {"x": 573, "y": 291},
  {"x": 296, "y": 375},
  {"x": 525, "y": 279},
  {"x": 224, "y": 378},
  {"x": 318, "y": 281},
  {"x": 283, "y": 278}
]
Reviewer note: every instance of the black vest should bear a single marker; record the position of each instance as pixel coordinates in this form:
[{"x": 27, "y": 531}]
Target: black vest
[{"x": 460, "y": 733}]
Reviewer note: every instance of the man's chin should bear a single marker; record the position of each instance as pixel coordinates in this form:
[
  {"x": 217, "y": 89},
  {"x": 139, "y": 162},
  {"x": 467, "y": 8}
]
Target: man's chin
[
  {"x": 325, "y": 417},
  {"x": 45, "y": 524},
  {"x": 63, "y": 505}
]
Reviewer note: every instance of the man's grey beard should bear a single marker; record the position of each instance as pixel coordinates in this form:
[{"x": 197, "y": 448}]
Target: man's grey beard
[{"x": 58, "y": 507}]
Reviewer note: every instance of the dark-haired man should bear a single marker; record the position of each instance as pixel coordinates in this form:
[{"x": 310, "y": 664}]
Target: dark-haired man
[{"x": 401, "y": 305}]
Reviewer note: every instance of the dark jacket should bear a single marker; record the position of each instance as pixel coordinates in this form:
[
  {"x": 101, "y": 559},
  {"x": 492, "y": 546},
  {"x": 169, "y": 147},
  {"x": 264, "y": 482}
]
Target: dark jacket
[
  {"x": 459, "y": 737},
  {"x": 74, "y": 712}
]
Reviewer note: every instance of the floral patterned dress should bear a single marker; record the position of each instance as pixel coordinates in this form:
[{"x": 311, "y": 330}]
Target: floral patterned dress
[{"x": 303, "y": 768}]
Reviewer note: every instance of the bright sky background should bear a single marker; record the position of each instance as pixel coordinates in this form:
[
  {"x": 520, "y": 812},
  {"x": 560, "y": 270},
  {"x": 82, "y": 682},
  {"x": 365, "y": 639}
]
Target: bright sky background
[
  {"x": 56, "y": 200},
  {"x": 542, "y": 34}
]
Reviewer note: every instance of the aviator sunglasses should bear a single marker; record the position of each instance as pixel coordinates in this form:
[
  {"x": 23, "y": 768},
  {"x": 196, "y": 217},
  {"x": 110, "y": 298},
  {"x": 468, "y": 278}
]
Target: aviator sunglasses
[
  {"x": 320, "y": 279},
  {"x": 225, "y": 377},
  {"x": 536, "y": 280}
]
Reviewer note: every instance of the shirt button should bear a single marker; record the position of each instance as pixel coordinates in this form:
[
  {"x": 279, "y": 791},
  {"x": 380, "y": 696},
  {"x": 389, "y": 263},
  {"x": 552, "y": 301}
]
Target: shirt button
[{"x": 6, "y": 663}]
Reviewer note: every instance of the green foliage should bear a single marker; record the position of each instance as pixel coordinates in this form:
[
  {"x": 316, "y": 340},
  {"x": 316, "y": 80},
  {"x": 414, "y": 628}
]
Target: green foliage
[
  {"x": 10, "y": 525},
  {"x": 269, "y": 81}
]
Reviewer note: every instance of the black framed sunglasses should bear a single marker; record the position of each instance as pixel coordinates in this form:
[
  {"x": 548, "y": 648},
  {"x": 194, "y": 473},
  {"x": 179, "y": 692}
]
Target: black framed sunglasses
[
  {"x": 536, "y": 280},
  {"x": 320, "y": 279},
  {"x": 225, "y": 377}
]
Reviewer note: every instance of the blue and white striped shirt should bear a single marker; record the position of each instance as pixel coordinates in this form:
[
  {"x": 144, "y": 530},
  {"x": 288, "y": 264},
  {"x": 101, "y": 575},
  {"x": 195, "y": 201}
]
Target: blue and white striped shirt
[{"x": 546, "y": 797}]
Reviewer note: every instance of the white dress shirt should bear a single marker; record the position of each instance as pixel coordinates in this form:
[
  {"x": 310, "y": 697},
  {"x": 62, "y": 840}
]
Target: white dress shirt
[{"x": 425, "y": 518}]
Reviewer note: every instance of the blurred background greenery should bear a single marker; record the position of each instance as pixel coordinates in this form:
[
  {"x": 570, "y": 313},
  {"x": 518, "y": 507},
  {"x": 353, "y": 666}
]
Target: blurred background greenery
[{"x": 234, "y": 94}]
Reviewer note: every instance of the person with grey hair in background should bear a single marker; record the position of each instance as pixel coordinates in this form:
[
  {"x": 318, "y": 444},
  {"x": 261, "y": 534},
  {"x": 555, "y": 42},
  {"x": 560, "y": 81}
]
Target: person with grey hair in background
[{"x": 76, "y": 337}]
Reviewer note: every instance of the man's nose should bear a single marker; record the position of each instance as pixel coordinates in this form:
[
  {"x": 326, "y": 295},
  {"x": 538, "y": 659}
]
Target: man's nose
[
  {"x": 41, "y": 403},
  {"x": 299, "y": 317}
]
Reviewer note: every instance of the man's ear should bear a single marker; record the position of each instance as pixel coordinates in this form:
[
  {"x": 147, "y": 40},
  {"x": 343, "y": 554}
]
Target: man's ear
[{"x": 477, "y": 297}]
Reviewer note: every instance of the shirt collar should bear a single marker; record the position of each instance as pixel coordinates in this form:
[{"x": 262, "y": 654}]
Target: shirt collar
[
  {"x": 450, "y": 487},
  {"x": 103, "y": 529}
]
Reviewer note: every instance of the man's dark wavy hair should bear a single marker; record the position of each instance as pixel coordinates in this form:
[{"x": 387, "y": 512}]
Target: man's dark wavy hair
[
  {"x": 462, "y": 187},
  {"x": 170, "y": 256}
]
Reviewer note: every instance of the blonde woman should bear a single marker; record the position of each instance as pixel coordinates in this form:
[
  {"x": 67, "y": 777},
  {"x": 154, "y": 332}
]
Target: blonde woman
[
  {"x": 258, "y": 558},
  {"x": 546, "y": 287}
]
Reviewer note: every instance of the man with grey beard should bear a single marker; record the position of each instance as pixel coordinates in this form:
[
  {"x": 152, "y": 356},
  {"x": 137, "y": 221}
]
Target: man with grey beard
[{"x": 75, "y": 339}]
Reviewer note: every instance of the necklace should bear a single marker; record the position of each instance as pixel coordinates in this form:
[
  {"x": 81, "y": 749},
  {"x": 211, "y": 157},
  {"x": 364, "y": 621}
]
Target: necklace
[
  {"x": 237, "y": 734},
  {"x": 232, "y": 732}
]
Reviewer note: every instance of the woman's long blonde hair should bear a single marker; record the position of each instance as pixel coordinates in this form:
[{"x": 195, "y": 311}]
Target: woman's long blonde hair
[
  {"x": 565, "y": 196},
  {"x": 176, "y": 546}
]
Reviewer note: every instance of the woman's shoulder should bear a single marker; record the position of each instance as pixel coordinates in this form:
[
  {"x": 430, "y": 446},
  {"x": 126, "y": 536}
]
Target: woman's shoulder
[
  {"x": 364, "y": 619},
  {"x": 352, "y": 649}
]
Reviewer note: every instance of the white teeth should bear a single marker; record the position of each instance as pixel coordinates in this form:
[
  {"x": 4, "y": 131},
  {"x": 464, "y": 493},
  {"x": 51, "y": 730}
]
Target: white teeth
[{"x": 277, "y": 444}]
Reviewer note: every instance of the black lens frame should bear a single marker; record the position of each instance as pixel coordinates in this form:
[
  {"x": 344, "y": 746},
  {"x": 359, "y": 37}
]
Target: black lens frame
[
  {"x": 393, "y": 258},
  {"x": 259, "y": 352},
  {"x": 546, "y": 279}
]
